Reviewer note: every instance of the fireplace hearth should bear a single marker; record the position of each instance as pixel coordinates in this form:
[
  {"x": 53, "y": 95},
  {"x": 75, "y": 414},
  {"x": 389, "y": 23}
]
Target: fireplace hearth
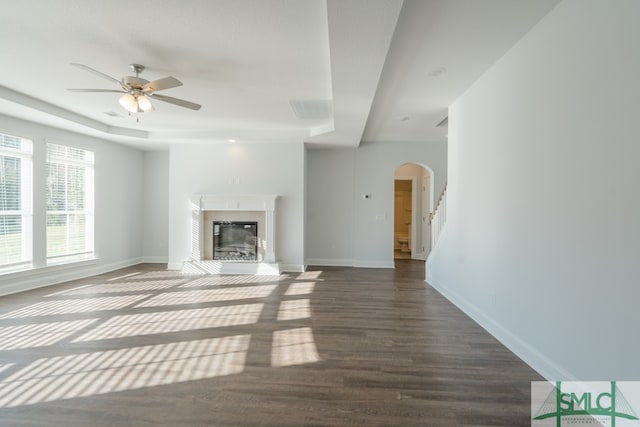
[{"x": 235, "y": 240}]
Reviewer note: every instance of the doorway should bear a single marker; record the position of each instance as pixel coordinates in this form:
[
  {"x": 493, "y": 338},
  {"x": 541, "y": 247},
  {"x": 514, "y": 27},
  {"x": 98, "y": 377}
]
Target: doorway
[
  {"x": 412, "y": 208},
  {"x": 402, "y": 218}
]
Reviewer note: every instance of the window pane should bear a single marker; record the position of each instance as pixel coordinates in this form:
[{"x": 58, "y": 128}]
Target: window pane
[
  {"x": 66, "y": 234},
  {"x": 77, "y": 233},
  {"x": 15, "y": 200},
  {"x": 10, "y": 183},
  {"x": 56, "y": 187},
  {"x": 56, "y": 150},
  {"x": 75, "y": 153},
  {"x": 56, "y": 235},
  {"x": 7, "y": 141},
  {"x": 76, "y": 188},
  {"x": 10, "y": 239},
  {"x": 68, "y": 193},
  {"x": 69, "y": 153}
]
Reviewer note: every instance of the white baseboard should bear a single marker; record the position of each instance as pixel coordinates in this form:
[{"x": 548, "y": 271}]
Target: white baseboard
[
  {"x": 174, "y": 265},
  {"x": 155, "y": 259},
  {"x": 333, "y": 262},
  {"x": 293, "y": 268},
  {"x": 51, "y": 275},
  {"x": 373, "y": 264},
  {"x": 536, "y": 360},
  {"x": 341, "y": 262}
]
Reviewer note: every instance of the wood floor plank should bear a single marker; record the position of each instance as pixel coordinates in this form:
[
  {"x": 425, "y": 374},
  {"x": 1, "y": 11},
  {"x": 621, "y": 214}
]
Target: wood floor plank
[{"x": 143, "y": 346}]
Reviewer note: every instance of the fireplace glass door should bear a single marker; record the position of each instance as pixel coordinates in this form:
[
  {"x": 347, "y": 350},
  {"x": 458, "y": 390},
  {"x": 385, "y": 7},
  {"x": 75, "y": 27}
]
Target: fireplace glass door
[{"x": 235, "y": 241}]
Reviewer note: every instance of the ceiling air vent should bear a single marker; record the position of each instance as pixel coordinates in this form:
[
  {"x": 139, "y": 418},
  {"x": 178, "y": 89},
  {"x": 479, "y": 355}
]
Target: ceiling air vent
[
  {"x": 305, "y": 109},
  {"x": 444, "y": 123}
]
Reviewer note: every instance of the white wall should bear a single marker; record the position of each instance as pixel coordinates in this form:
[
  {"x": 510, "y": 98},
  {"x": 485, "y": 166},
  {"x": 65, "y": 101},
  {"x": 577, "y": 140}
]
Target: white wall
[
  {"x": 342, "y": 227},
  {"x": 155, "y": 238},
  {"x": 237, "y": 169},
  {"x": 330, "y": 206},
  {"x": 118, "y": 206},
  {"x": 542, "y": 235}
]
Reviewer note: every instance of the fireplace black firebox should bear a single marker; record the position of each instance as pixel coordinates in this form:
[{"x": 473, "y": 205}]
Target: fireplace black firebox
[{"x": 235, "y": 241}]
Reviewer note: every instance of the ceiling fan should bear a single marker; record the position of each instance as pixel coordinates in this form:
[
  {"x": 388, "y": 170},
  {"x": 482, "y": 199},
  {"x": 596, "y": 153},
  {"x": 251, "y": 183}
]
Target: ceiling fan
[{"x": 137, "y": 90}]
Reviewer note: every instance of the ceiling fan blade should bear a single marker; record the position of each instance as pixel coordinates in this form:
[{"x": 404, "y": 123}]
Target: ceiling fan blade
[
  {"x": 175, "y": 101},
  {"x": 97, "y": 73},
  {"x": 161, "y": 84},
  {"x": 95, "y": 90}
]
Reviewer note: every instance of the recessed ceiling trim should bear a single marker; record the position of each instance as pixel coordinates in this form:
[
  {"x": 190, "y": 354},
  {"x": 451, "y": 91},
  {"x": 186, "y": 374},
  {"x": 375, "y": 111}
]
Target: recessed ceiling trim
[
  {"x": 354, "y": 47},
  {"x": 45, "y": 107},
  {"x": 310, "y": 109}
]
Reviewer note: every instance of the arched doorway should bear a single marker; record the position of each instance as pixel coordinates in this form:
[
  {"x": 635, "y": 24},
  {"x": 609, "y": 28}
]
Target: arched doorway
[{"x": 413, "y": 200}]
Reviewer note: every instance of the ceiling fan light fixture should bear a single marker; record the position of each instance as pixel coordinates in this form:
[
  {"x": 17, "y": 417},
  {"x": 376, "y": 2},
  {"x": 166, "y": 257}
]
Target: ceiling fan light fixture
[
  {"x": 143, "y": 103},
  {"x": 129, "y": 103}
]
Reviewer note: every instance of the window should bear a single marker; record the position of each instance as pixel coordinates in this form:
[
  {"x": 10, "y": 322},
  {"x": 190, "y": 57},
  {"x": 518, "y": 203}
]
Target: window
[
  {"x": 69, "y": 203},
  {"x": 15, "y": 201}
]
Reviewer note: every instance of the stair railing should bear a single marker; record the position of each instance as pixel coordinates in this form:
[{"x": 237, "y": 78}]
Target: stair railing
[{"x": 438, "y": 218}]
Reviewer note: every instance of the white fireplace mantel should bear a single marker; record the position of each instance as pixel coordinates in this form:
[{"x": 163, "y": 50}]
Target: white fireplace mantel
[
  {"x": 210, "y": 202},
  {"x": 214, "y": 202}
]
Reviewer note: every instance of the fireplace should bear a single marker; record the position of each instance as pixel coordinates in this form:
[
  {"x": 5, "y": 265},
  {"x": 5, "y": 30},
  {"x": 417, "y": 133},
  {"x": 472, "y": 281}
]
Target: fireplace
[
  {"x": 247, "y": 222},
  {"x": 235, "y": 240}
]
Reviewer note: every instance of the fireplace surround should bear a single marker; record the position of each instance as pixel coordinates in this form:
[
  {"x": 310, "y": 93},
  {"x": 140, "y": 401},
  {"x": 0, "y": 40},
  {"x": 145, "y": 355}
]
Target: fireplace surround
[{"x": 207, "y": 209}]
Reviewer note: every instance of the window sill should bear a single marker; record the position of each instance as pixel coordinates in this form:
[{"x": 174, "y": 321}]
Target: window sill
[
  {"x": 16, "y": 269},
  {"x": 30, "y": 270},
  {"x": 74, "y": 259}
]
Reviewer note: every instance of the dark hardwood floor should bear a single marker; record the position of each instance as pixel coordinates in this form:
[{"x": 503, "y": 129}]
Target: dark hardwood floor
[{"x": 330, "y": 347}]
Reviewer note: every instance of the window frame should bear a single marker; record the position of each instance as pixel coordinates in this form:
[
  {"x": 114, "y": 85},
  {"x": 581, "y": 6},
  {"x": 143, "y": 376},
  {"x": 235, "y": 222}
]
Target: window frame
[
  {"x": 25, "y": 155},
  {"x": 88, "y": 164}
]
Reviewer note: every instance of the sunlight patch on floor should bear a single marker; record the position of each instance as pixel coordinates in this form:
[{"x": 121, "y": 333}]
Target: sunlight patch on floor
[
  {"x": 294, "y": 309},
  {"x": 55, "y": 294},
  {"x": 160, "y": 275},
  {"x": 155, "y": 310},
  {"x": 151, "y": 285},
  {"x": 300, "y": 288},
  {"x": 39, "y": 334},
  {"x": 126, "y": 276},
  {"x": 5, "y": 366},
  {"x": 208, "y": 295},
  {"x": 293, "y": 347},
  {"x": 89, "y": 374},
  {"x": 201, "y": 268},
  {"x": 68, "y": 306},
  {"x": 309, "y": 275},
  {"x": 174, "y": 321},
  {"x": 231, "y": 280}
]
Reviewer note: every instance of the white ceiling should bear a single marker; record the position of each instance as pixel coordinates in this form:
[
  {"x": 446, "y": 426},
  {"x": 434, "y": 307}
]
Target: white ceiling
[{"x": 388, "y": 68}]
